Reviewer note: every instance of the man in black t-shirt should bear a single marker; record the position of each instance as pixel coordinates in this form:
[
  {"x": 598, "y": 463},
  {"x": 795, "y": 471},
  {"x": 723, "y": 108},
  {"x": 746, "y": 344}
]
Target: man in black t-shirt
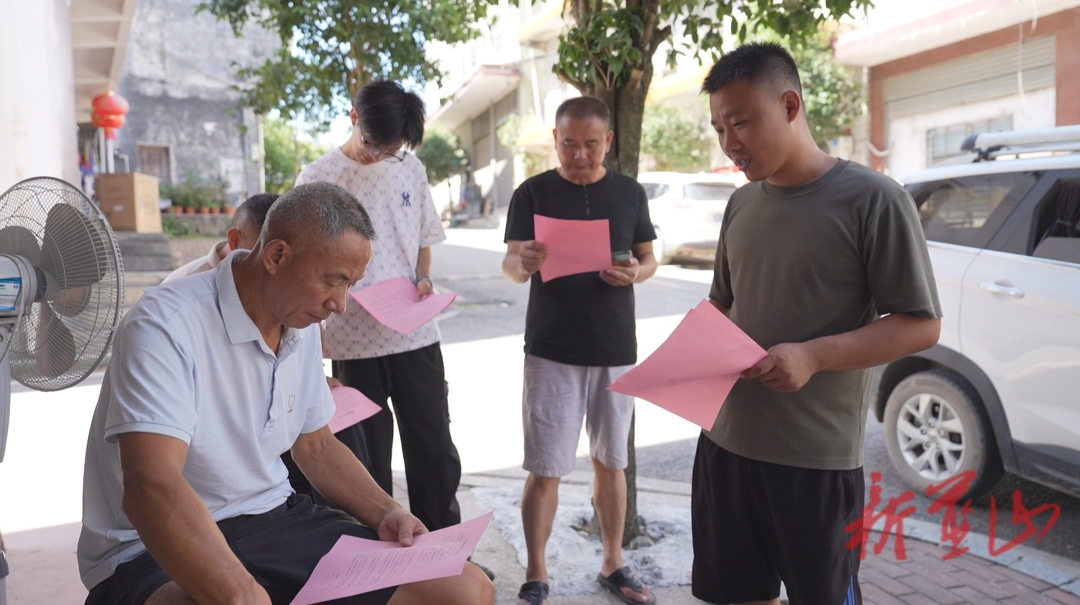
[{"x": 579, "y": 338}]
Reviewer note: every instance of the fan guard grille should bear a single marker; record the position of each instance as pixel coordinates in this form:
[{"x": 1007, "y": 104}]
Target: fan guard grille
[{"x": 84, "y": 283}]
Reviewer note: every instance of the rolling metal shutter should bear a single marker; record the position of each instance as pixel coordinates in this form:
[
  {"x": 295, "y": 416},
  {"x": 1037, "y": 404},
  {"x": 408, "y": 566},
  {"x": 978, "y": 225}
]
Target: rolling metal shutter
[{"x": 977, "y": 77}]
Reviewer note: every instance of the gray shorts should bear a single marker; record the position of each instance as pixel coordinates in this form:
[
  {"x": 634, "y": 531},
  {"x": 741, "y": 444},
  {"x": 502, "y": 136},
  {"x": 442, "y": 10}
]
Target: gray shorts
[{"x": 555, "y": 398}]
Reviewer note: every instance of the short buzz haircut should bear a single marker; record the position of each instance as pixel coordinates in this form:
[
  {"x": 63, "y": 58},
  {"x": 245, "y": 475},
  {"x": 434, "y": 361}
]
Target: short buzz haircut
[
  {"x": 318, "y": 212},
  {"x": 757, "y": 62},
  {"x": 254, "y": 210},
  {"x": 583, "y": 108},
  {"x": 389, "y": 114}
]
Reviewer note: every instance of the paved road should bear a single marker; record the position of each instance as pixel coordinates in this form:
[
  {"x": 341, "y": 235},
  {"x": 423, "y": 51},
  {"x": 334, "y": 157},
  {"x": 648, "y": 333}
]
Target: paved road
[{"x": 488, "y": 306}]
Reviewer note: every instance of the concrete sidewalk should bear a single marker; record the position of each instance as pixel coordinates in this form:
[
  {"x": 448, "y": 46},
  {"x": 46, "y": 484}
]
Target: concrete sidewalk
[
  {"x": 43, "y": 570},
  {"x": 1023, "y": 575}
]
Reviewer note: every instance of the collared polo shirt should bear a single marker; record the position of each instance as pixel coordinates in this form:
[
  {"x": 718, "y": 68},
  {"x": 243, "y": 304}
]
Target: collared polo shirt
[
  {"x": 189, "y": 363},
  {"x": 398, "y": 200}
]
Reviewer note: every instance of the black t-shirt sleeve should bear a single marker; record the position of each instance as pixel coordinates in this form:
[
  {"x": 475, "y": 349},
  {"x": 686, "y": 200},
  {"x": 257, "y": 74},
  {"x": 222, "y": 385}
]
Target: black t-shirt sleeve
[
  {"x": 898, "y": 265},
  {"x": 519, "y": 217},
  {"x": 643, "y": 230}
]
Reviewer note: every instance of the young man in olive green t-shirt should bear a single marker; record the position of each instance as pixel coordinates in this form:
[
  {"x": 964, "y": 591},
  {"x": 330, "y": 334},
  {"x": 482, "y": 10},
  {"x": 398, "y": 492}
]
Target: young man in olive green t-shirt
[{"x": 812, "y": 253}]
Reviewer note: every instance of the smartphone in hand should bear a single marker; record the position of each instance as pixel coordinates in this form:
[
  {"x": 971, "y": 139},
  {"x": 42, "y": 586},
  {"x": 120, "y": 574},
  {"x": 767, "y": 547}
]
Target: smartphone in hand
[{"x": 620, "y": 259}]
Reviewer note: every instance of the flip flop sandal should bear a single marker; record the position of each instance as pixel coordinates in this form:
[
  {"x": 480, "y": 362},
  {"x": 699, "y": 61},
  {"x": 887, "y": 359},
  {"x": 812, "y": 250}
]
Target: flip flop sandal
[
  {"x": 534, "y": 592},
  {"x": 624, "y": 578}
]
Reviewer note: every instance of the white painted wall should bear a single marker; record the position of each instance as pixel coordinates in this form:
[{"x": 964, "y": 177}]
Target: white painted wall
[
  {"x": 37, "y": 92},
  {"x": 907, "y": 136}
]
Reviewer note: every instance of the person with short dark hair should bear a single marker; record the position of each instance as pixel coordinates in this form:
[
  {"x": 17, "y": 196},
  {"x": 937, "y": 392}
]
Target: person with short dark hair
[
  {"x": 580, "y": 336},
  {"x": 375, "y": 165},
  {"x": 823, "y": 263},
  {"x": 244, "y": 231},
  {"x": 212, "y": 378}
]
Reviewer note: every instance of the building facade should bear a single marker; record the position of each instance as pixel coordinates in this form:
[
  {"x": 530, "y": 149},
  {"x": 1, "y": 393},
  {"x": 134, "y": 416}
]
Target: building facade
[
  {"x": 179, "y": 75},
  {"x": 959, "y": 68},
  {"x": 55, "y": 56}
]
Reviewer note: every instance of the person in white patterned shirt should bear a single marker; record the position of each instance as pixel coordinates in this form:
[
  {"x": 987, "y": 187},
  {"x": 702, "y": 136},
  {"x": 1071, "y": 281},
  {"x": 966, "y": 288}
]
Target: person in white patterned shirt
[{"x": 407, "y": 369}]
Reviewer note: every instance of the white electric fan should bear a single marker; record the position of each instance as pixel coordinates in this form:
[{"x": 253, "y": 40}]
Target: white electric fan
[{"x": 61, "y": 292}]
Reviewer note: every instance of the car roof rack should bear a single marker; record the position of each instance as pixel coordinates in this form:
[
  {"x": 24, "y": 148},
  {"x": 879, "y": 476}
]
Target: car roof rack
[{"x": 990, "y": 145}]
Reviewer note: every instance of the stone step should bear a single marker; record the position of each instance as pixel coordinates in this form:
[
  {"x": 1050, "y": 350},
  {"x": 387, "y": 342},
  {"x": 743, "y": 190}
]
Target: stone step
[
  {"x": 145, "y": 251},
  {"x": 137, "y": 282}
]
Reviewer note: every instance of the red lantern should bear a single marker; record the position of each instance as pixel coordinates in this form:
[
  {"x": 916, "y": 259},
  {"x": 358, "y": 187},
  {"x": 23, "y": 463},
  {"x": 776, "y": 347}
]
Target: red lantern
[
  {"x": 109, "y": 110},
  {"x": 106, "y": 120},
  {"x": 110, "y": 103}
]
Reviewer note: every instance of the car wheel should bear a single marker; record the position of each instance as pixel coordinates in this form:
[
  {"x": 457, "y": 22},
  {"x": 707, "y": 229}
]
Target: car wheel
[
  {"x": 935, "y": 428},
  {"x": 658, "y": 247}
]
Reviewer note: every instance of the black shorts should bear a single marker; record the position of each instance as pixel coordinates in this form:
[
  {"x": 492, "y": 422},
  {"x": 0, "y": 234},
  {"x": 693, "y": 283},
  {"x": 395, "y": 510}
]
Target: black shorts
[
  {"x": 280, "y": 549},
  {"x": 756, "y": 523}
]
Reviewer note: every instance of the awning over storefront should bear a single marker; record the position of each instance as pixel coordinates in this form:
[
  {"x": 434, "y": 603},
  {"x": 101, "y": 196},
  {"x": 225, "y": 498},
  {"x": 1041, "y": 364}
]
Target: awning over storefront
[
  {"x": 544, "y": 25},
  {"x": 687, "y": 79},
  {"x": 489, "y": 84},
  {"x": 890, "y": 40},
  {"x": 99, "y": 35}
]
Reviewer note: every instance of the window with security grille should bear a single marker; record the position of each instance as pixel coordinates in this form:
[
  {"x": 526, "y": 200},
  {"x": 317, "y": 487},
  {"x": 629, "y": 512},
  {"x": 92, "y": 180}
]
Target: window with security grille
[{"x": 943, "y": 143}]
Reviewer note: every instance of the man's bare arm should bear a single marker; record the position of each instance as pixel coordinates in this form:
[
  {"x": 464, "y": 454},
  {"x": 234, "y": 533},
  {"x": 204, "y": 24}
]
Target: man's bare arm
[
  {"x": 175, "y": 525},
  {"x": 790, "y": 365},
  {"x": 337, "y": 474},
  {"x": 523, "y": 258}
]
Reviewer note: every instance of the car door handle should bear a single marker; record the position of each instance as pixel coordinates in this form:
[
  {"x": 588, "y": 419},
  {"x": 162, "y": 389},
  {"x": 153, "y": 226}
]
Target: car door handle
[{"x": 996, "y": 288}]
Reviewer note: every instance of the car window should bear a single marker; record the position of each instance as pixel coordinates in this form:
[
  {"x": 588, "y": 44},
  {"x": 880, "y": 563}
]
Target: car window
[
  {"x": 967, "y": 211},
  {"x": 708, "y": 191},
  {"x": 1057, "y": 224},
  {"x": 654, "y": 190}
]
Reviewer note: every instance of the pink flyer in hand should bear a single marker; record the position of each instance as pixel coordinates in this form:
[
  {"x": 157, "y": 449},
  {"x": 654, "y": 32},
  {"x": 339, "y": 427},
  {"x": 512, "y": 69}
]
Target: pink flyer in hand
[
  {"x": 393, "y": 303},
  {"x": 355, "y": 565},
  {"x": 691, "y": 374},
  {"x": 352, "y": 407},
  {"x": 573, "y": 246}
]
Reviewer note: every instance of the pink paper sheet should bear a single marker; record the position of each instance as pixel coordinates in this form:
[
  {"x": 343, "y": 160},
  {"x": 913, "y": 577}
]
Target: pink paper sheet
[
  {"x": 354, "y": 565},
  {"x": 691, "y": 374},
  {"x": 352, "y": 407},
  {"x": 573, "y": 246},
  {"x": 393, "y": 303}
]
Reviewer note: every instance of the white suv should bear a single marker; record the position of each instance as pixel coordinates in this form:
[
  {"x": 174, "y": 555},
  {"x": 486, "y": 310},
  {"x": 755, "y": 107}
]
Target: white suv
[
  {"x": 686, "y": 211},
  {"x": 1001, "y": 390}
]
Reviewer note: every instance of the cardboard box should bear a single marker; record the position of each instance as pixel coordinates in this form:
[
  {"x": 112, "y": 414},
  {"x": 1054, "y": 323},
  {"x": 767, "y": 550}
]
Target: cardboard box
[{"x": 130, "y": 201}]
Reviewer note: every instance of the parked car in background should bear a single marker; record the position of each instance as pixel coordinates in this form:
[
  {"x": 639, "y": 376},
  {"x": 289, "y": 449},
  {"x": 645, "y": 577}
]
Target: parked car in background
[
  {"x": 1001, "y": 390},
  {"x": 686, "y": 211}
]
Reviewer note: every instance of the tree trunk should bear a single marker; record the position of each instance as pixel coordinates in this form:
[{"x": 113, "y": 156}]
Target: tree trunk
[{"x": 627, "y": 105}]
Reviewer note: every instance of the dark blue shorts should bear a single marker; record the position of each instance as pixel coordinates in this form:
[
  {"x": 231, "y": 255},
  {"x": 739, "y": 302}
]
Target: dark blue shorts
[
  {"x": 279, "y": 548},
  {"x": 756, "y": 523}
]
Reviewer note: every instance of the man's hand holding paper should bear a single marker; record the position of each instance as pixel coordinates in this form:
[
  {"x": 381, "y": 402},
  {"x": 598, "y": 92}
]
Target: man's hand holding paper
[
  {"x": 691, "y": 374},
  {"x": 787, "y": 369},
  {"x": 400, "y": 526},
  {"x": 532, "y": 254}
]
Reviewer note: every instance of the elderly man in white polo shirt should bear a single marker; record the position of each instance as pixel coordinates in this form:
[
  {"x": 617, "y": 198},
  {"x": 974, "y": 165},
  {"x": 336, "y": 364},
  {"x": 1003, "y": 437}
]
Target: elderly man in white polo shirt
[{"x": 185, "y": 498}]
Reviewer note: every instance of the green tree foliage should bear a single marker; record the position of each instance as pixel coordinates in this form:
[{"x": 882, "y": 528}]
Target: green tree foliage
[
  {"x": 441, "y": 154},
  {"x": 608, "y": 51},
  {"x": 832, "y": 93},
  {"x": 286, "y": 154},
  {"x": 329, "y": 48},
  {"x": 675, "y": 140}
]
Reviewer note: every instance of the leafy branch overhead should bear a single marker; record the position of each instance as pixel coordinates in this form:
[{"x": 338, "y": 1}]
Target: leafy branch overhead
[
  {"x": 608, "y": 50},
  {"x": 329, "y": 48},
  {"x": 611, "y": 39}
]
